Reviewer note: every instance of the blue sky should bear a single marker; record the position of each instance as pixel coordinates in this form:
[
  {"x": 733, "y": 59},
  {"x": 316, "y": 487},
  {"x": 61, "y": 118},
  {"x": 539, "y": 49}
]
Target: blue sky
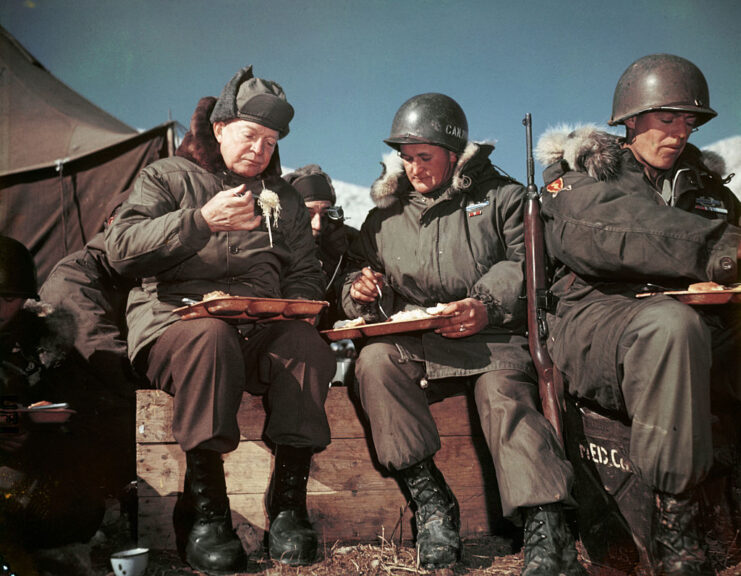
[{"x": 347, "y": 66}]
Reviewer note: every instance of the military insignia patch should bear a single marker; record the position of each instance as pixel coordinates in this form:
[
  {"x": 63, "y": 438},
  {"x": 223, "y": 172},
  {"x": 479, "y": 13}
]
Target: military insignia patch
[
  {"x": 555, "y": 187},
  {"x": 709, "y": 204},
  {"x": 476, "y": 209}
]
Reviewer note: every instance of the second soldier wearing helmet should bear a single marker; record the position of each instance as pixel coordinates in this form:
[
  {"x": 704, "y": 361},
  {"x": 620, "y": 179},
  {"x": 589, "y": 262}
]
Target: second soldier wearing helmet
[
  {"x": 447, "y": 228},
  {"x": 623, "y": 211}
]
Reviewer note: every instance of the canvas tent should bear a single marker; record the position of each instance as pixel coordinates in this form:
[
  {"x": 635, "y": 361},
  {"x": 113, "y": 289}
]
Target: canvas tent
[{"x": 64, "y": 162}]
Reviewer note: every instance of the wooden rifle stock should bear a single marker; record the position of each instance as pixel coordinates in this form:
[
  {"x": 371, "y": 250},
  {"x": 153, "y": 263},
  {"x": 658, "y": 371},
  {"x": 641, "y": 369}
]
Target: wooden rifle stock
[{"x": 537, "y": 293}]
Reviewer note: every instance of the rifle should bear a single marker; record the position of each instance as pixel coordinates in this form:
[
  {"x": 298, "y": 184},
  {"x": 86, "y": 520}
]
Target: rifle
[{"x": 538, "y": 295}]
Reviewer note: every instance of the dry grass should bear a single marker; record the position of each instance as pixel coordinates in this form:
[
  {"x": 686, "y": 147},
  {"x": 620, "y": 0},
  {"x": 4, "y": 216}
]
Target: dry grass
[
  {"x": 489, "y": 556},
  {"x": 382, "y": 559}
]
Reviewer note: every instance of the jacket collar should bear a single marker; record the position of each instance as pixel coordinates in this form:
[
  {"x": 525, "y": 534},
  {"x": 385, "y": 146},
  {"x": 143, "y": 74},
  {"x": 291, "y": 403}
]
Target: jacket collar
[
  {"x": 393, "y": 183},
  {"x": 599, "y": 153}
]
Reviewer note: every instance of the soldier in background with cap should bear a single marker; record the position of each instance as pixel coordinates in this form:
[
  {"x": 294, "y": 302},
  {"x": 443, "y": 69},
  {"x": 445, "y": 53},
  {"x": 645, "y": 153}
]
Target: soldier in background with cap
[
  {"x": 197, "y": 223},
  {"x": 448, "y": 228},
  {"x": 621, "y": 212},
  {"x": 331, "y": 234}
]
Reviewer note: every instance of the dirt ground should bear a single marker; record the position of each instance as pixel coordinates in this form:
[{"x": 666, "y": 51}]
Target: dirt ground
[{"x": 495, "y": 555}]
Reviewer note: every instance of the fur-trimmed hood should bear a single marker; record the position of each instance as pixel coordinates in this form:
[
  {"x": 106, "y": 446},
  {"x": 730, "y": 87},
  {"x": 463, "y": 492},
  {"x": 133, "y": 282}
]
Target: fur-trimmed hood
[
  {"x": 199, "y": 144},
  {"x": 598, "y": 152},
  {"x": 393, "y": 181}
]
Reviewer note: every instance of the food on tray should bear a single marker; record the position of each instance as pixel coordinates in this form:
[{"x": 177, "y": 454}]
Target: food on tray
[
  {"x": 39, "y": 404},
  {"x": 437, "y": 309},
  {"x": 359, "y": 321},
  {"x": 420, "y": 314},
  {"x": 705, "y": 287},
  {"x": 215, "y": 294},
  {"x": 403, "y": 316}
]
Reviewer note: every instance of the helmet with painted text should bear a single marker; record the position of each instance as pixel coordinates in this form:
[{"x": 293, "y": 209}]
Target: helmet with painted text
[{"x": 430, "y": 118}]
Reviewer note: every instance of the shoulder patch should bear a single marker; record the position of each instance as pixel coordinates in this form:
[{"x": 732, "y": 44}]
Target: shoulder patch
[{"x": 555, "y": 187}]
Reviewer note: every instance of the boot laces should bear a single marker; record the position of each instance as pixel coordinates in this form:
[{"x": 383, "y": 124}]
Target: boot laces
[
  {"x": 546, "y": 537},
  {"x": 677, "y": 533}
]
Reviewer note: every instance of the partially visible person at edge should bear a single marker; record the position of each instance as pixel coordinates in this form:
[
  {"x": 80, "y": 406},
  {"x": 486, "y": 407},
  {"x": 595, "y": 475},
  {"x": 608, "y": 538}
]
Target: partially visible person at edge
[
  {"x": 447, "y": 228},
  {"x": 85, "y": 284},
  {"x": 51, "y": 497},
  {"x": 204, "y": 221},
  {"x": 621, "y": 212},
  {"x": 331, "y": 234}
]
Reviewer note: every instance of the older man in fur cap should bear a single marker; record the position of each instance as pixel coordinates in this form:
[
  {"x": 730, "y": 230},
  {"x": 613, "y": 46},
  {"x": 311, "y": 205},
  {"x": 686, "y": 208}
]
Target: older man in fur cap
[
  {"x": 447, "y": 228},
  {"x": 218, "y": 217},
  {"x": 621, "y": 212}
]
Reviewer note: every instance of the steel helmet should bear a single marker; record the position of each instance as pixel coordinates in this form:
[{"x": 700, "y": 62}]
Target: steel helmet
[
  {"x": 430, "y": 119},
  {"x": 661, "y": 82},
  {"x": 17, "y": 270}
]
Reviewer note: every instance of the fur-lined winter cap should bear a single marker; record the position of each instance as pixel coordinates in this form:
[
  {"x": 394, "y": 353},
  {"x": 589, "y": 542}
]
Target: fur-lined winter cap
[
  {"x": 254, "y": 99},
  {"x": 312, "y": 183}
]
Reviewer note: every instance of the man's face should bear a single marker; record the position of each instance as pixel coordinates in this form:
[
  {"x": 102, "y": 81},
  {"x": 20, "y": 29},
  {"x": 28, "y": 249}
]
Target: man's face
[
  {"x": 427, "y": 166},
  {"x": 245, "y": 146},
  {"x": 318, "y": 211},
  {"x": 9, "y": 308},
  {"x": 659, "y": 137}
]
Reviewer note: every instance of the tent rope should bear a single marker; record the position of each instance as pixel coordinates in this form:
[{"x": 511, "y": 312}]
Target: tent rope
[{"x": 60, "y": 169}]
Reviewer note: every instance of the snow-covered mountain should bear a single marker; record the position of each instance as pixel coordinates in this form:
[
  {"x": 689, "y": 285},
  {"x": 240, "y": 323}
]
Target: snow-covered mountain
[
  {"x": 726, "y": 155},
  {"x": 355, "y": 201}
]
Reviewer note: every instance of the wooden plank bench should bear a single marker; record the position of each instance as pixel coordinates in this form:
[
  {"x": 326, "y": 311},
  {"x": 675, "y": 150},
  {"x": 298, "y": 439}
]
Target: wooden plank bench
[{"x": 350, "y": 497}]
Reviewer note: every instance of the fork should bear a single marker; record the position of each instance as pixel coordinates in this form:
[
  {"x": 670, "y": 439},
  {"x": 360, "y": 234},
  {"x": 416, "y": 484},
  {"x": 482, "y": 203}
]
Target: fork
[{"x": 380, "y": 295}]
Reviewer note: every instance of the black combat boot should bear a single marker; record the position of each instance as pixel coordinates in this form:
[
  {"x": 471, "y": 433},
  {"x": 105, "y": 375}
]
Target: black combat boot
[
  {"x": 292, "y": 540},
  {"x": 436, "y": 514},
  {"x": 680, "y": 548},
  {"x": 203, "y": 522},
  {"x": 549, "y": 546}
]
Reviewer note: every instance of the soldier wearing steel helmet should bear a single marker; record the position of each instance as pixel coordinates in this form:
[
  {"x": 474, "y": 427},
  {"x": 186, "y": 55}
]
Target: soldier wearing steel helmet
[
  {"x": 447, "y": 228},
  {"x": 51, "y": 494},
  {"x": 621, "y": 212}
]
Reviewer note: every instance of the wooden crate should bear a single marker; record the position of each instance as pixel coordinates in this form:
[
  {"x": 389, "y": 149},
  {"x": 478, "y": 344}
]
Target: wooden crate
[{"x": 350, "y": 497}]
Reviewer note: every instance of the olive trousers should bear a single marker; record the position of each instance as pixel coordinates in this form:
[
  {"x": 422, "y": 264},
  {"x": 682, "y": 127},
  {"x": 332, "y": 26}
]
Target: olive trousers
[
  {"x": 668, "y": 356},
  {"x": 658, "y": 366},
  {"x": 206, "y": 365},
  {"x": 530, "y": 465}
]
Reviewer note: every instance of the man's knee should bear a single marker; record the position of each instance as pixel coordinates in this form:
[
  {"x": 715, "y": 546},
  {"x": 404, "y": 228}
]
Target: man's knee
[
  {"x": 373, "y": 360},
  {"x": 202, "y": 332},
  {"x": 499, "y": 386},
  {"x": 673, "y": 322},
  {"x": 302, "y": 341}
]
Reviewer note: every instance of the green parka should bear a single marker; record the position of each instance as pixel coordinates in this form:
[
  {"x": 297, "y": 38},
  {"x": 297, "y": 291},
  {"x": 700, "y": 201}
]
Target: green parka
[
  {"x": 610, "y": 232},
  {"x": 468, "y": 242},
  {"x": 160, "y": 236}
]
